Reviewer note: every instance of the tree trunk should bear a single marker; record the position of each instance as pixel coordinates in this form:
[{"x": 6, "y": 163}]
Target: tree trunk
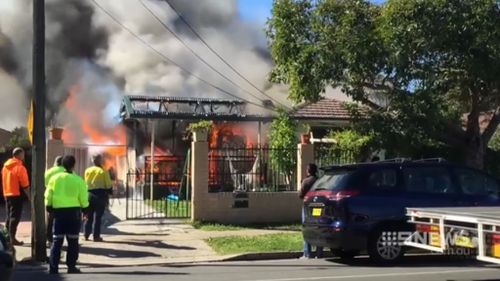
[{"x": 474, "y": 153}]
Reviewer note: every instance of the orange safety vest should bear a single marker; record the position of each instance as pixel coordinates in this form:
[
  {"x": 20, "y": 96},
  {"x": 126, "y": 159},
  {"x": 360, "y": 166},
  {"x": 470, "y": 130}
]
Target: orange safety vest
[{"x": 14, "y": 177}]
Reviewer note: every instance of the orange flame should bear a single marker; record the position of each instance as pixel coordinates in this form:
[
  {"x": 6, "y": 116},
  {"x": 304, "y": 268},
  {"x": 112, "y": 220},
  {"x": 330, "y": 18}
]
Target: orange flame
[{"x": 113, "y": 142}]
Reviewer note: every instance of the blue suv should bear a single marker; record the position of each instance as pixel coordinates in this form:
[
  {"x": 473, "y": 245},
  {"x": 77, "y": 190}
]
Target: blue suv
[{"x": 351, "y": 208}]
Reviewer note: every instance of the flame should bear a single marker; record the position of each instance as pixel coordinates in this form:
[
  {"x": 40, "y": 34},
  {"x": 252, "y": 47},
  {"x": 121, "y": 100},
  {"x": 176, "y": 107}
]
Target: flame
[
  {"x": 228, "y": 135},
  {"x": 233, "y": 135},
  {"x": 116, "y": 136}
]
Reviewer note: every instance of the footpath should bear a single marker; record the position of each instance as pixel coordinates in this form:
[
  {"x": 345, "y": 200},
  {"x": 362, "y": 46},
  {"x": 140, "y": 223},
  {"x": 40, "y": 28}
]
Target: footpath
[{"x": 146, "y": 242}]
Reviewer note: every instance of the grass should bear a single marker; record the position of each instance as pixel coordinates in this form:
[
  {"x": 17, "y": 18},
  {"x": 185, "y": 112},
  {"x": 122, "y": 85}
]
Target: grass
[
  {"x": 280, "y": 242},
  {"x": 172, "y": 209},
  {"x": 212, "y": 226}
]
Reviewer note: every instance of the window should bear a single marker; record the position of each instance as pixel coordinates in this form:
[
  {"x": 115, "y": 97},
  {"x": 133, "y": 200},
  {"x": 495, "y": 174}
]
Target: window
[
  {"x": 476, "y": 183},
  {"x": 383, "y": 179},
  {"x": 333, "y": 180},
  {"x": 432, "y": 180}
]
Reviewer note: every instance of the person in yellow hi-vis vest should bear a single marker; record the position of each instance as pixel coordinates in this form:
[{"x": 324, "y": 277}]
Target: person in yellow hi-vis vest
[
  {"x": 66, "y": 195},
  {"x": 49, "y": 174},
  {"x": 100, "y": 187}
]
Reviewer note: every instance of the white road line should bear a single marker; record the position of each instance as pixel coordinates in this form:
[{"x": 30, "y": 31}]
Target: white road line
[{"x": 375, "y": 275}]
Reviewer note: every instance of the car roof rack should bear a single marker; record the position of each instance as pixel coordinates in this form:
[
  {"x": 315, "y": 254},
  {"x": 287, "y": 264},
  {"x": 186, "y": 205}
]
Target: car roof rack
[
  {"x": 437, "y": 159},
  {"x": 394, "y": 160}
]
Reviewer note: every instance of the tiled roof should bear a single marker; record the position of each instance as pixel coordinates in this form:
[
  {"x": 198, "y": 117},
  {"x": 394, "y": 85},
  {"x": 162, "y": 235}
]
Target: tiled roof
[{"x": 325, "y": 109}]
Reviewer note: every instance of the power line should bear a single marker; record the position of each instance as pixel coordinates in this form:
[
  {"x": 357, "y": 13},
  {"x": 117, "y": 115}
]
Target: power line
[
  {"x": 193, "y": 51},
  {"x": 167, "y": 59},
  {"x": 216, "y": 53}
]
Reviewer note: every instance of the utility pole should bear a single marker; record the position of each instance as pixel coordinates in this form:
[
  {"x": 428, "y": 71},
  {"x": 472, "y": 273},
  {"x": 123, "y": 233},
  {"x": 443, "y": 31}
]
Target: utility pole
[{"x": 38, "y": 237}]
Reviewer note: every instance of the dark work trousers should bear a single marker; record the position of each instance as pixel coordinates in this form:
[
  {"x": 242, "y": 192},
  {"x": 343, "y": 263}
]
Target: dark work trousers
[
  {"x": 50, "y": 226},
  {"x": 66, "y": 224},
  {"x": 98, "y": 200},
  {"x": 14, "y": 206}
]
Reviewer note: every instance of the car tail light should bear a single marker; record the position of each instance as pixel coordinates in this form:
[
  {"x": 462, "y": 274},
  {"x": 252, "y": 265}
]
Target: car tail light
[
  {"x": 332, "y": 195},
  {"x": 339, "y": 195},
  {"x": 427, "y": 228}
]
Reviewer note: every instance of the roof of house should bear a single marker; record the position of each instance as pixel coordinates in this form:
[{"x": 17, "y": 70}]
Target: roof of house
[
  {"x": 4, "y": 137},
  {"x": 183, "y": 108},
  {"x": 325, "y": 109}
]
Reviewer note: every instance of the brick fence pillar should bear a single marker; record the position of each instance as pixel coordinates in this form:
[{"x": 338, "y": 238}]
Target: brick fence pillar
[
  {"x": 305, "y": 156},
  {"x": 54, "y": 148},
  {"x": 199, "y": 178}
]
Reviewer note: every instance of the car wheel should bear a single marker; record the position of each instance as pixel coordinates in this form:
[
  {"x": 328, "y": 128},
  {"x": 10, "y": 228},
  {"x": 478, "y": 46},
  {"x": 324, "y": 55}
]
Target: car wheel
[{"x": 384, "y": 247}]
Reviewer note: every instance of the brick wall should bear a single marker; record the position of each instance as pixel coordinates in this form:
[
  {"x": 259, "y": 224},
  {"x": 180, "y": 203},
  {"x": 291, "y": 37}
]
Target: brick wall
[{"x": 263, "y": 207}]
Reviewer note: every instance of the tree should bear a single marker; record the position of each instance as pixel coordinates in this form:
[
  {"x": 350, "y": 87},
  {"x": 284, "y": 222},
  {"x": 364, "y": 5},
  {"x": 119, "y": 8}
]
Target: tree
[
  {"x": 436, "y": 63},
  {"x": 495, "y": 142},
  {"x": 353, "y": 142},
  {"x": 19, "y": 138},
  {"x": 283, "y": 140}
]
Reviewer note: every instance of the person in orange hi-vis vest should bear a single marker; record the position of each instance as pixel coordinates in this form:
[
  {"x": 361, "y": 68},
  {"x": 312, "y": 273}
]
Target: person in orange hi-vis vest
[{"x": 14, "y": 179}]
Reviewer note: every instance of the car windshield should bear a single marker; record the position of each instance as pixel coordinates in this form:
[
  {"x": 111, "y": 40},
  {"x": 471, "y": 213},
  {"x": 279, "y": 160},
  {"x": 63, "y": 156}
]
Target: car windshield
[{"x": 333, "y": 180}]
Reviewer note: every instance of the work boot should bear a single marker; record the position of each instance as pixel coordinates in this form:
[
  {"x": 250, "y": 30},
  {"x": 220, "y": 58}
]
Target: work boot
[
  {"x": 98, "y": 239},
  {"x": 74, "y": 270}
]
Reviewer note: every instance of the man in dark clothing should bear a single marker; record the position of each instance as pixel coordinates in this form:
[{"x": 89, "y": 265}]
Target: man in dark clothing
[
  {"x": 306, "y": 186},
  {"x": 309, "y": 181}
]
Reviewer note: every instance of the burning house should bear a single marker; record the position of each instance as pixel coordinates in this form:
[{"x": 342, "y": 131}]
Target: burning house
[
  {"x": 94, "y": 59},
  {"x": 157, "y": 134}
]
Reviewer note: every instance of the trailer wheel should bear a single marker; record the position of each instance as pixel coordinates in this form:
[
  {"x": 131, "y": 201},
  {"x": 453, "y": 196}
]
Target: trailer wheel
[{"x": 384, "y": 247}]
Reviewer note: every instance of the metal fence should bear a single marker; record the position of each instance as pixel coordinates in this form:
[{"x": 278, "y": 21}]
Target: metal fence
[
  {"x": 160, "y": 194},
  {"x": 327, "y": 154},
  {"x": 252, "y": 169}
]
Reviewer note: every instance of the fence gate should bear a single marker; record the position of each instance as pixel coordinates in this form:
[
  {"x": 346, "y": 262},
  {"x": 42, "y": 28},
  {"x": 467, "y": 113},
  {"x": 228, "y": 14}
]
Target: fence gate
[{"x": 163, "y": 193}]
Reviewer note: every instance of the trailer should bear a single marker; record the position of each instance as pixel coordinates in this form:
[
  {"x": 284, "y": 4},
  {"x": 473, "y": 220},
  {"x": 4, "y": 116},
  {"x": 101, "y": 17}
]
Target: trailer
[{"x": 455, "y": 231}]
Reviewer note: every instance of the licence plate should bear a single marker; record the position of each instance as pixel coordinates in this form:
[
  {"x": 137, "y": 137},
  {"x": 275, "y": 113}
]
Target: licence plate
[
  {"x": 463, "y": 241},
  {"x": 316, "y": 212}
]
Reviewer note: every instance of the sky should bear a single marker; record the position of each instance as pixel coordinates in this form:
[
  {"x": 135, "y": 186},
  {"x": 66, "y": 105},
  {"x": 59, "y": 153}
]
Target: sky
[{"x": 260, "y": 10}]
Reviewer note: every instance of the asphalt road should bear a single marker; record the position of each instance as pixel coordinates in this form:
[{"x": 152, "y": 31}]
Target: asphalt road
[{"x": 414, "y": 268}]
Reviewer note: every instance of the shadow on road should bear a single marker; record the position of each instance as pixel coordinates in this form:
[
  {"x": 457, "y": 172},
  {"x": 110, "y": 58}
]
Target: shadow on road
[
  {"x": 153, "y": 244},
  {"x": 149, "y": 273},
  {"x": 114, "y": 253},
  {"x": 38, "y": 273},
  {"x": 408, "y": 262},
  {"x": 416, "y": 261}
]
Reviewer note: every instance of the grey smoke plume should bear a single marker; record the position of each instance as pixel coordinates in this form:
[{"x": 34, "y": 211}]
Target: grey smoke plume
[
  {"x": 7, "y": 60},
  {"x": 86, "y": 48}
]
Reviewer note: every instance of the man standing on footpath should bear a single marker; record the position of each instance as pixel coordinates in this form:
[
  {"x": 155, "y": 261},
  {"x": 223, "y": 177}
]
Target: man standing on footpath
[
  {"x": 66, "y": 195},
  {"x": 100, "y": 187},
  {"x": 14, "y": 179},
  {"x": 307, "y": 184},
  {"x": 56, "y": 169}
]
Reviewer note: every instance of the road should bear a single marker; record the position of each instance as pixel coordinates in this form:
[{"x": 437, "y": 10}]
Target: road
[{"x": 414, "y": 268}]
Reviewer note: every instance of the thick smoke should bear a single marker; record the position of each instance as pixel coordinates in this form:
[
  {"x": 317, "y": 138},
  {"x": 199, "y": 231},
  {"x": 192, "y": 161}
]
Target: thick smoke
[{"x": 88, "y": 49}]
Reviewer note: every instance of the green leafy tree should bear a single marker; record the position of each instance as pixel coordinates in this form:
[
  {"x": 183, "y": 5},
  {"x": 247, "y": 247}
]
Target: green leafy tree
[
  {"x": 495, "y": 141},
  {"x": 353, "y": 142},
  {"x": 283, "y": 139},
  {"x": 19, "y": 137},
  {"x": 423, "y": 66}
]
